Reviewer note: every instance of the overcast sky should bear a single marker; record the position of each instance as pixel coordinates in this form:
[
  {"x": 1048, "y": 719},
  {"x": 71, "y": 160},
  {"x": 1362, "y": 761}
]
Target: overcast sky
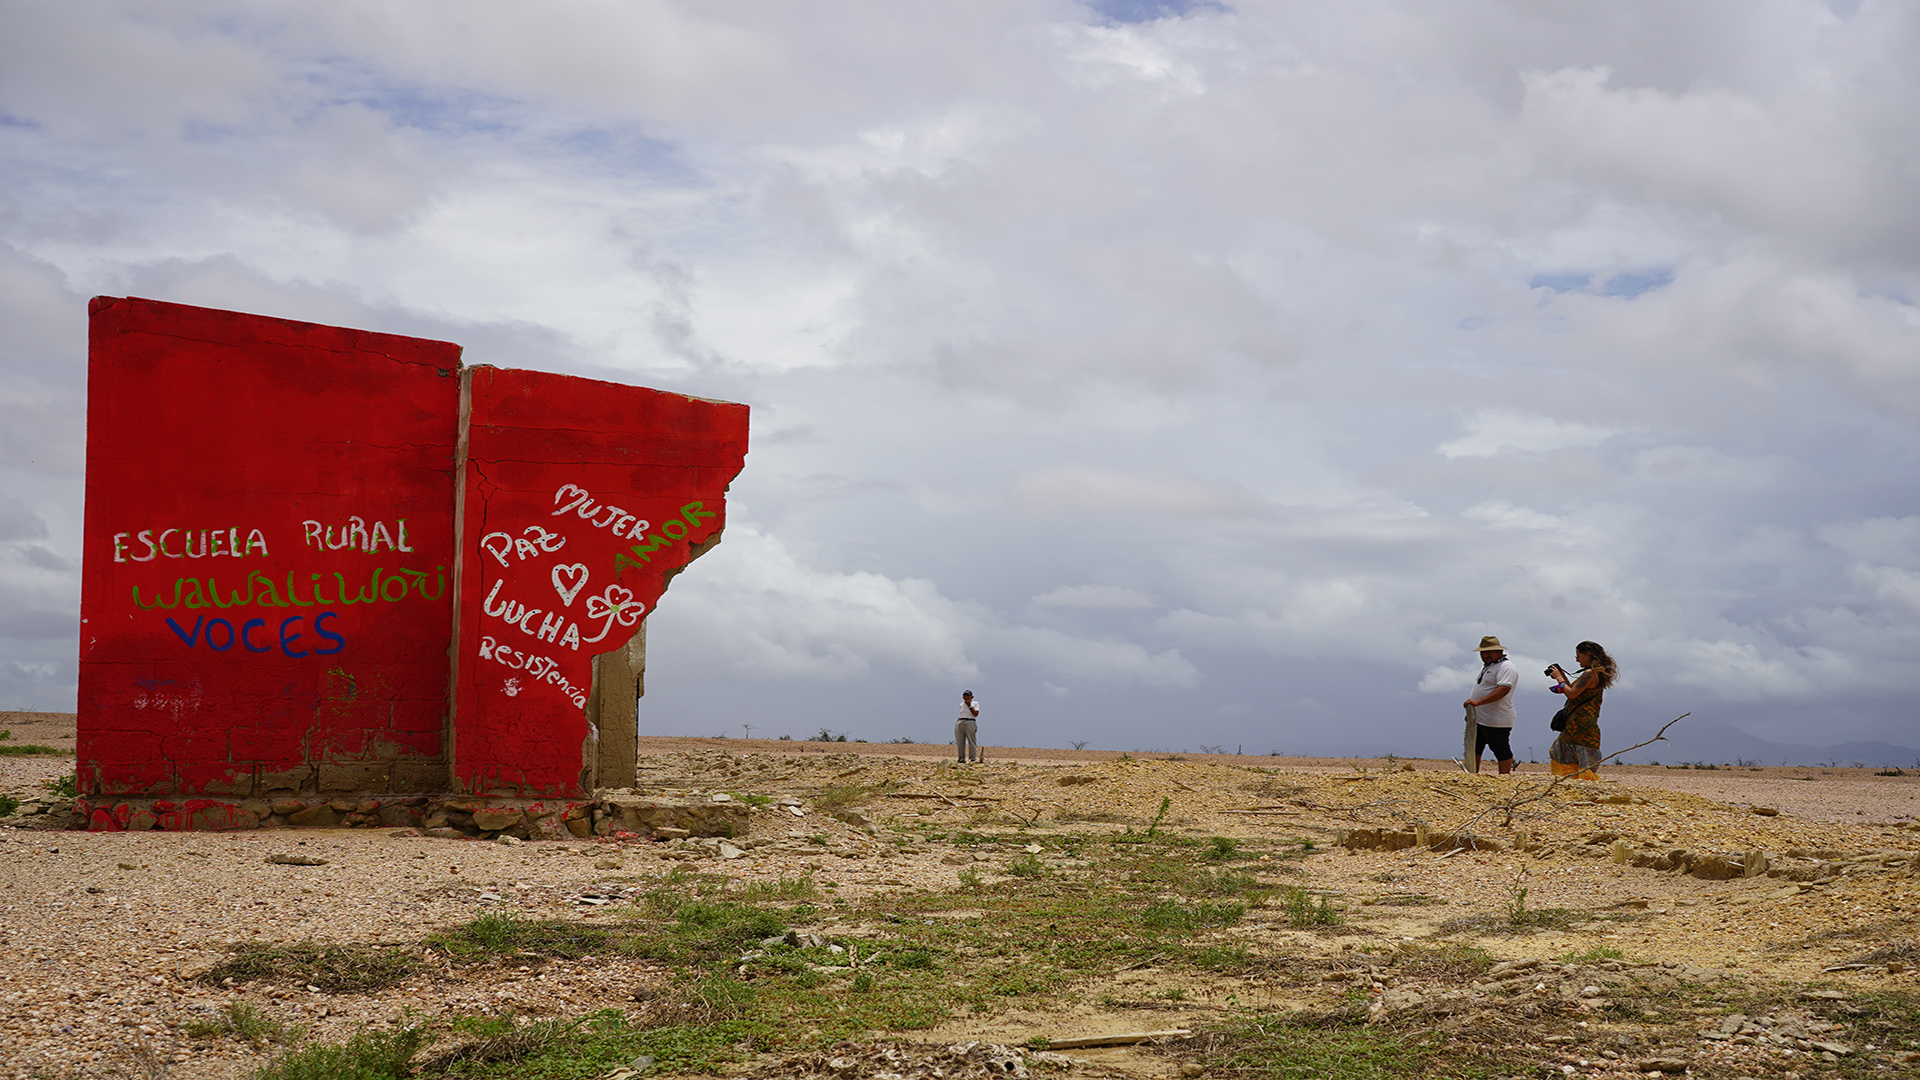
[{"x": 1170, "y": 374}]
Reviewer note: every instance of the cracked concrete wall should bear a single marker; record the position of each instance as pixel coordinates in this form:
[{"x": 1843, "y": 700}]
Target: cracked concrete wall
[
  {"x": 267, "y": 587},
  {"x": 582, "y": 500},
  {"x": 327, "y": 561},
  {"x": 619, "y": 682}
]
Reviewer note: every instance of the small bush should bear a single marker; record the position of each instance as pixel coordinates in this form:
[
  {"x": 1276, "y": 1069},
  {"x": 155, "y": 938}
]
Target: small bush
[
  {"x": 727, "y": 924},
  {"x": 26, "y": 750},
  {"x": 1173, "y": 915},
  {"x": 65, "y": 787},
  {"x": 1221, "y": 957},
  {"x": 1305, "y": 910},
  {"x": 1220, "y": 849},
  {"x": 495, "y": 937},
  {"x": 336, "y": 969},
  {"x": 717, "y": 997},
  {"x": 369, "y": 1055},
  {"x": 1027, "y": 866},
  {"x": 242, "y": 1021},
  {"x": 1450, "y": 960},
  {"x": 8, "y": 804}
]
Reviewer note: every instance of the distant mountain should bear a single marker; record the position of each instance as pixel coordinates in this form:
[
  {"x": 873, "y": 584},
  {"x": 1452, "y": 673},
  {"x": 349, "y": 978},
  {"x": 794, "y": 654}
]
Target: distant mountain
[{"x": 1721, "y": 744}]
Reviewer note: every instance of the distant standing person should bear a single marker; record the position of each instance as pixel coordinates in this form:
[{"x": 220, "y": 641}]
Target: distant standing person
[
  {"x": 1577, "y": 751},
  {"x": 966, "y": 730},
  {"x": 1492, "y": 704}
]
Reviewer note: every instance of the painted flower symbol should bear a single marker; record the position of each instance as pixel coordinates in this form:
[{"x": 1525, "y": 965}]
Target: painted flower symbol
[
  {"x": 614, "y": 605},
  {"x": 617, "y": 602}
]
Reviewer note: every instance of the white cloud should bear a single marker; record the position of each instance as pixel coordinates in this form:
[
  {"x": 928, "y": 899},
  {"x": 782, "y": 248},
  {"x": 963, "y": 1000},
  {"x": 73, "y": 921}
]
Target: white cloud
[
  {"x": 1160, "y": 492},
  {"x": 1232, "y": 311},
  {"x": 765, "y": 614},
  {"x": 1094, "y": 596},
  {"x": 1493, "y": 432},
  {"x": 753, "y": 602}
]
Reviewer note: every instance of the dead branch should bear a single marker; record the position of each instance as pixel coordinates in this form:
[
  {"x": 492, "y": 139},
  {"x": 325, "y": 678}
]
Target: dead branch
[{"x": 1521, "y": 798}]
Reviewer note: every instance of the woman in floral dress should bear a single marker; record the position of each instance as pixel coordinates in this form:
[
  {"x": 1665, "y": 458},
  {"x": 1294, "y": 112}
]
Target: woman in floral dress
[{"x": 1577, "y": 751}]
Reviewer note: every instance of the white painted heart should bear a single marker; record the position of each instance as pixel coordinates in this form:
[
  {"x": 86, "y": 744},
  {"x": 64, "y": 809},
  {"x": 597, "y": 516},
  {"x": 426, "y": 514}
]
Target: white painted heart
[{"x": 578, "y": 571}]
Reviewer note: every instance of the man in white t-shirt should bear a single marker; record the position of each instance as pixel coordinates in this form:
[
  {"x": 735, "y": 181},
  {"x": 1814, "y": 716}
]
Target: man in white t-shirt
[
  {"x": 1492, "y": 704},
  {"x": 966, "y": 730}
]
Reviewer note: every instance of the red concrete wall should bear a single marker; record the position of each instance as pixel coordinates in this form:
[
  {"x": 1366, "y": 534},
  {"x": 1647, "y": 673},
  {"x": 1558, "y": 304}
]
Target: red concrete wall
[
  {"x": 582, "y": 498},
  {"x": 267, "y": 586}
]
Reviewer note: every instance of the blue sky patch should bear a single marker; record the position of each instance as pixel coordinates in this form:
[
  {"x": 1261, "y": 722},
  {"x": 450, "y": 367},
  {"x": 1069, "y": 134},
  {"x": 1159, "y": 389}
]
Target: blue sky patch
[
  {"x": 1139, "y": 11},
  {"x": 1635, "y": 282}
]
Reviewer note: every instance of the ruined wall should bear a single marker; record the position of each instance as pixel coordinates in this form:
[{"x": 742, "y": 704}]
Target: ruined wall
[
  {"x": 267, "y": 591},
  {"x": 323, "y": 562},
  {"x": 582, "y": 498}
]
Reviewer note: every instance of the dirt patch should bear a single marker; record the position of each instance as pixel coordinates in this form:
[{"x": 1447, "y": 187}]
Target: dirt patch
[{"x": 912, "y": 905}]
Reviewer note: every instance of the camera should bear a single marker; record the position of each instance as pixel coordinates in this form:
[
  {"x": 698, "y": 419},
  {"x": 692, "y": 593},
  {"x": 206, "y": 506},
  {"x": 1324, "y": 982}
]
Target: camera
[{"x": 1556, "y": 673}]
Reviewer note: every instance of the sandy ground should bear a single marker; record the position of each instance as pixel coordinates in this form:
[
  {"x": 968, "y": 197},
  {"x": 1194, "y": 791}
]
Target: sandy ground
[{"x": 102, "y": 935}]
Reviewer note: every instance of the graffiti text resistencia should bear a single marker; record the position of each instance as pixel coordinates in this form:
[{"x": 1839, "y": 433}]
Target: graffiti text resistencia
[
  {"x": 263, "y": 591},
  {"x": 354, "y": 534},
  {"x": 179, "y": 544},
  {"x": 540, "y": 667}
]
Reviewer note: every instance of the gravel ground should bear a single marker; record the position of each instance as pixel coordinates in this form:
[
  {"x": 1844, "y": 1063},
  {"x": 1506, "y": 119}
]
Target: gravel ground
[{"x": 103, "y": 936}]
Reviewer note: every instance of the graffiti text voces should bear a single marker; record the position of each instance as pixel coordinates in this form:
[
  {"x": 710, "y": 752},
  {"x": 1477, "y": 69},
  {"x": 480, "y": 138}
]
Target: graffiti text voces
[{"x": 219, "y": 635}]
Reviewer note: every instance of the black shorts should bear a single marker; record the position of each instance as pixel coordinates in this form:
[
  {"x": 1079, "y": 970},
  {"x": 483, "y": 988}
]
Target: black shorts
[{"x": 1495, "y": 739}]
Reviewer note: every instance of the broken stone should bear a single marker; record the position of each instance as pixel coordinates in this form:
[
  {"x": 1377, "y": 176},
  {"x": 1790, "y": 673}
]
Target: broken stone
[
  {"x": 493, "y": 819},
  {"x": 1663, "y": 1065},
  {"x": 321, "y": 817},
  {"x": 283, "y": 859},
  {"x": 398, "y": 814}
]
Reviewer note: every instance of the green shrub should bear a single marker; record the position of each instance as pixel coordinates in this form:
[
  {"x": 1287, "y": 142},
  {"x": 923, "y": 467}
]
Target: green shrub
[
  {"x": 369, "y": 1055},
  {"x": 242, "y": 1021},
  {"x": 1305, "y": 910},
  {"x": 337, "y": 969}
]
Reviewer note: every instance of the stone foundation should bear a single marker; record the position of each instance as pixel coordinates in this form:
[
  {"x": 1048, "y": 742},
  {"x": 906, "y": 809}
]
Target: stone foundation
[{"x": 623, "y": 814}]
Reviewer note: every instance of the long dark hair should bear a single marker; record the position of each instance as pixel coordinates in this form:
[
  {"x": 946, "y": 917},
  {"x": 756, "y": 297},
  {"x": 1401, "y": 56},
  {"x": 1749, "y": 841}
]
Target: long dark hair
[{"x": 1600, "y": 663}]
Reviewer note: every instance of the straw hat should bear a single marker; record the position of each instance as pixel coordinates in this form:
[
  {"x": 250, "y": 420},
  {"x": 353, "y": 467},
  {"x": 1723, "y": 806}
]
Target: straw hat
[{"x": 1489, "y": 644}]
